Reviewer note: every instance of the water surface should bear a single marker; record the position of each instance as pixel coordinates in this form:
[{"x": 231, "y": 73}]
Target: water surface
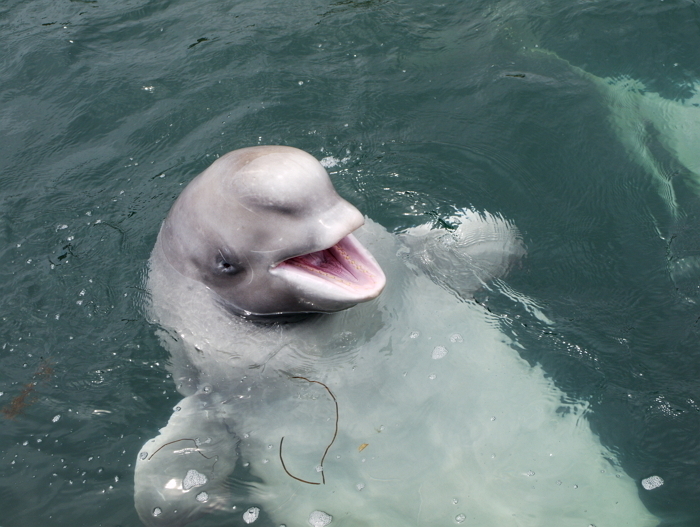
[{"x": 109, "y": 108}]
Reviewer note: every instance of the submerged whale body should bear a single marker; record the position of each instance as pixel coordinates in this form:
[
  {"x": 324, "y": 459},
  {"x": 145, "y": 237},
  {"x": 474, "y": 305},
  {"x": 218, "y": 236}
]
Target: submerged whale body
[
  {"x": 661, "y": 135},
  {"x": 310, "y": 398}
]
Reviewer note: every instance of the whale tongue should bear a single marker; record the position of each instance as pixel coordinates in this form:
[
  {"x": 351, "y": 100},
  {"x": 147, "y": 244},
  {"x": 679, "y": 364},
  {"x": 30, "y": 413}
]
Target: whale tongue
[
  {"x": 347, "y": 266},
  {"x": 333, "y": 263}
]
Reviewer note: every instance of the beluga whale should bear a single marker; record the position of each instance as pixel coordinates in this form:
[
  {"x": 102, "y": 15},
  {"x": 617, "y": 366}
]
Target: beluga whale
[{"x": 334, "y": 373}]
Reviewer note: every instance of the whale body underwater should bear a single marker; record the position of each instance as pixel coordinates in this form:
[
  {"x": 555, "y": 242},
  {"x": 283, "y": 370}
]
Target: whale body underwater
[{"x": 333, "y": 372}]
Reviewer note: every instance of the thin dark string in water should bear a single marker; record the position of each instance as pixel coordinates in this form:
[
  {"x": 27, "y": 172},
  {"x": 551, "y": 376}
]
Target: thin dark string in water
[
  {"x": 335, "y": 434},
  {"x": 184, "y": 439},
  {"x": 289, "y": 473}
]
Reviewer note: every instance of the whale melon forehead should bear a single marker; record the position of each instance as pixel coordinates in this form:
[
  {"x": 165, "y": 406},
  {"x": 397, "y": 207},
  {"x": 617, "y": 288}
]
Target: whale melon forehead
[{"x": 282, "y": 180}]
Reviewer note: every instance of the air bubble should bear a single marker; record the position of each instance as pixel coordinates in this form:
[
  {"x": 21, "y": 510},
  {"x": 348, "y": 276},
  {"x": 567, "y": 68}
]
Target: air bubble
[
  {"x": 414, "y": 334},
  {"x": 360, "y": 486},
  {"x": 251, "y": 515},
  {"x": 460, "y": 518},
  {"x": 55, "y": 418},
  {"x": 143, "y": 455},
  {"x": 432, "y": 376},
  {"x": 456, "y": 337},
  {"x": 320, "y": 519},
  {"x": 157, "y": 511}
]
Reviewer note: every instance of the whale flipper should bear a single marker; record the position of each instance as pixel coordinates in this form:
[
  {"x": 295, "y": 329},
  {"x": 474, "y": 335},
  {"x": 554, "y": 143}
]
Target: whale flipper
[
  {"x": 181, "y": 473},
  {"x": 480, "y": 247}
]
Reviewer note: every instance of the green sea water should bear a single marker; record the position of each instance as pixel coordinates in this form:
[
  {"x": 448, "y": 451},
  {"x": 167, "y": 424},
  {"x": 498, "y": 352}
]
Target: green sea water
[{"x": 578, "y": 121}]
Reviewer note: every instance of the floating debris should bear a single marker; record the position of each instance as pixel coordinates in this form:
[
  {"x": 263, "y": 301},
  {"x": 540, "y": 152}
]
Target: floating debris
[
  {"x": 335, "y": 434},
  {"x": 17, "y": 405}
]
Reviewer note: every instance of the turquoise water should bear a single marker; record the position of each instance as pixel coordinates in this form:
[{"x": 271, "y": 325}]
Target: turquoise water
[{"x": 520, "y": 108}]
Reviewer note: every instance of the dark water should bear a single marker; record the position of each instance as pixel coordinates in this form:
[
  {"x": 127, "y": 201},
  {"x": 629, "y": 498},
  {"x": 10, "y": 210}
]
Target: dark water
[{"x": 108, "y": 108}]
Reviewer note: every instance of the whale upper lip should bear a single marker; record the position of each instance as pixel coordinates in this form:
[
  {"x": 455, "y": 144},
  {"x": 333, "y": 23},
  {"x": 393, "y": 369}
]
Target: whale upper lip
[{"x": 344, "y": 270}]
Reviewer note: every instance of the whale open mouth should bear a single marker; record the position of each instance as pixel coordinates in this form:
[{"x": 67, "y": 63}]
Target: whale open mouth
[{"x": 345, "y": 271}]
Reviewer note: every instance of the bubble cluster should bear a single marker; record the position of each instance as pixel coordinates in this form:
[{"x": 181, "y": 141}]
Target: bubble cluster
[
  {"x": 202, "y": 497},
  {"x": 652, "y": 482},
  {"x": 332, "y": 162},
  {"x": 439, "y": 352},
  {"x": 319, "y": 519},
  {"x": 193, "y": 479},
  {"x": 251, "y": 515}
]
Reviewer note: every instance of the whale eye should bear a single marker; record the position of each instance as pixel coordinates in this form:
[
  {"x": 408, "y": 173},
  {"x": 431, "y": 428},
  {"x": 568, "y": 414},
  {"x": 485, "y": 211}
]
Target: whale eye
[{"x": 225, "y": 267}]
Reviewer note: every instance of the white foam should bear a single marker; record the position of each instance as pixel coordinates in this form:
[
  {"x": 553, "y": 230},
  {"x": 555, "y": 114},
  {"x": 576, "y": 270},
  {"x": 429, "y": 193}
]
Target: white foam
[
  {"x": 251, "y": 515},
  {"x": 652, "y": 482},
  {"x": 320, "y": 519},
  {"x": 439, "y": 352},
  {"x": 193, "y": 479}
]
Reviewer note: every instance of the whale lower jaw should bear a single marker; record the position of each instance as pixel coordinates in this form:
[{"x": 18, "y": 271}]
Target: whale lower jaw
[{"x": 346, "y": 272}]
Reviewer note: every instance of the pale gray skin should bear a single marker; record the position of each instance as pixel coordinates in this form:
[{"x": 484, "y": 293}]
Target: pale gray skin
[
  {"x": 250, "y": 210},
  {"x": 214, "y": 267}
]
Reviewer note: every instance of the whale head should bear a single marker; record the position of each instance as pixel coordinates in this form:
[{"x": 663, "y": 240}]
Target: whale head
[{"x": 264, "y": 229}]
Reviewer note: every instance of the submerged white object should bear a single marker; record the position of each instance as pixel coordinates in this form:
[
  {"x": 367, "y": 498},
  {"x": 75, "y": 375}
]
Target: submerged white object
[{"x": 477, "y": 437}]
